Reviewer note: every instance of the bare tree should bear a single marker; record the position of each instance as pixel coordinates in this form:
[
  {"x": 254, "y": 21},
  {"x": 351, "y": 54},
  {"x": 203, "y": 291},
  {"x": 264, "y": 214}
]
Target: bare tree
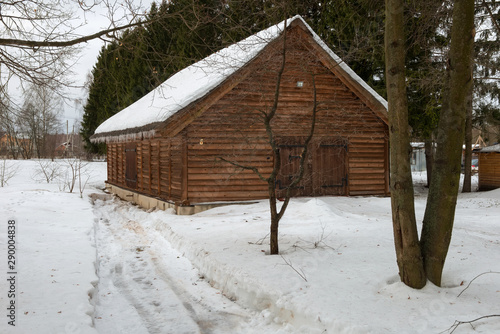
[
  {"x": 46, "y": 171},
  {"x": 409, "y": 258},
  {"x": 7, "y": 125},
  {"x": 269, "y": 116},
  {"x": 39, "y": 117},
  {"x": 440, "y": 210},
  {"x": 7, "y": 171},
  {"x": 40, "y": 36},
  {"x": 70, "y": 176},
  {"x": 467, "y": 160},
  {"x": 84, "y": 175}
]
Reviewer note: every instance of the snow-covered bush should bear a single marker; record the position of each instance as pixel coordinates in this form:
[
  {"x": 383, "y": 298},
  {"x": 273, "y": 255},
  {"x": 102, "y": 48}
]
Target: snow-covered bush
[
  {"x": 77, "y": 169},
  {"x": 46, "y": 170}
]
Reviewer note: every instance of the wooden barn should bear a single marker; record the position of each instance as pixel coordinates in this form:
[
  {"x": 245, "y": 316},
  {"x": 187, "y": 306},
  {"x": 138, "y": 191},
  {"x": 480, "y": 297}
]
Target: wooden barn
[
  {"x": 182, "y": 143},
  {"x": 489, "y": 167}
]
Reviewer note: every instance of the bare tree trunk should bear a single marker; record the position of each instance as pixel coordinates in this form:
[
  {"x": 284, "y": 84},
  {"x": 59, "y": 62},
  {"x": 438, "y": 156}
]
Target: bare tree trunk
[
  {"x": 275, "y": 219},
  {"x": 429, "y": 158},
  {"x": 409, "y": 258},
  {"x": 440, "y": 210},
  {"x": 467, "y": 187},
  {"x": 267, "y": 117}
]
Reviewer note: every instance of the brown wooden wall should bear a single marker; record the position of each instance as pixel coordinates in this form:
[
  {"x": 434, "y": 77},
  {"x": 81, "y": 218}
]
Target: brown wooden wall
[
  {"x": 190, "y": 166},
  {"x": 489, "y": 170},
  {"x": 233, "y": 129},
  {"x": 116, "y": 163},
  {"x": 158, "y": 165}
]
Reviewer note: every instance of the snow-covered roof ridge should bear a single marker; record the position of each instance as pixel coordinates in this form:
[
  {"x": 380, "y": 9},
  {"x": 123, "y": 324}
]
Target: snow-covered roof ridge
[
  {"x": 200, "y": 78},
  {"x": 492, "y": 148}
]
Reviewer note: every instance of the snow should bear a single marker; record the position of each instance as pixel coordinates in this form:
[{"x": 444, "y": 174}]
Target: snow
[
  {"x": 55, "y": 254},
  {"x": 492, "y": 148},
  {"x": 199, "y": 79},
  {"x": 111, "y": 267}
]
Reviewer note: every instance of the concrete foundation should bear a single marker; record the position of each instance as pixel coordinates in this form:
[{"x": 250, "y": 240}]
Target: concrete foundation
[{"x": 148, "y": 202}]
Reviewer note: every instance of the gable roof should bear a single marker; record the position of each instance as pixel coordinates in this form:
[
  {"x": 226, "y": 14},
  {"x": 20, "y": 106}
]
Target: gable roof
[{"x": 143, "y": 118}]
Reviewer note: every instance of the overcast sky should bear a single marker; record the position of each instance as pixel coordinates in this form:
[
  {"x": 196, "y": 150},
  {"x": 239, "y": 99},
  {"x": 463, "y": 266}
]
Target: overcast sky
[{"x": 97, "y": 20}]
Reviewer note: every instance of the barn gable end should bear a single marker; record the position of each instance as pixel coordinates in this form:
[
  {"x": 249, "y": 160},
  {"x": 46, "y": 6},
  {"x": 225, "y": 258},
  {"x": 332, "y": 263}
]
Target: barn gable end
[{"x": 195, "y": 152}]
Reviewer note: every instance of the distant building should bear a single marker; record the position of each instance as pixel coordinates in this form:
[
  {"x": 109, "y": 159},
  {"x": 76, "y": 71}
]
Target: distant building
[
  {"x": 489, "y": 167},
  {"x": 418, "y": 157},
  {"x": 10, "y": 147}
]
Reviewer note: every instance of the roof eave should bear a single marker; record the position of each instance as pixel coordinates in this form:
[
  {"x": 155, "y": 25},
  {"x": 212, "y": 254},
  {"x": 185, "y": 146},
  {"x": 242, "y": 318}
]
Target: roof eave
[{"x": 132, "y": 134}]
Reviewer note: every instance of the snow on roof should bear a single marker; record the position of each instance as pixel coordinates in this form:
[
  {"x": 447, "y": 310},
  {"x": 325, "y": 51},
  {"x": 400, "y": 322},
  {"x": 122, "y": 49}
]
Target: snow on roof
[
  {"x": 198, "y": 79},
  {"x": 492, "y": 148}
]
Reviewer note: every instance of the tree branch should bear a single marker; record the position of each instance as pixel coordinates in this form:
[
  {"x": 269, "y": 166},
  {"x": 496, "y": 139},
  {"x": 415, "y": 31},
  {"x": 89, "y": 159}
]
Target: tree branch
[
  {"x": 458, "y": 323},
  {"x": 492, "y": 17},
  {"x": 60, "y": 44},
  {"x": 254, "y": 169},
  {"x": 268, "y": 118},
  {"x": 304, "y": 152},
  {"x": 489, "y": 272},
  {"x": 300, "y": 273}
]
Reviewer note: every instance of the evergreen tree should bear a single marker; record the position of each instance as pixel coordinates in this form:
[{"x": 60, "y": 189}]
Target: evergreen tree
[
  {"x": 100, "y": 100},
  {"x": 178, "y": 34},
  {"x": 183, "y": 31},
  {"x": 486, "y": 73},
  {"x": 354, "y": 30}
]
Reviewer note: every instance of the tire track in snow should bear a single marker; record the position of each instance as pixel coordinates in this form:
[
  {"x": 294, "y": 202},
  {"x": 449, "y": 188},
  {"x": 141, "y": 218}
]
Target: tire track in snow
[
  {"x": 142, "y": 301},
  {"x": 162, "y": 291}
]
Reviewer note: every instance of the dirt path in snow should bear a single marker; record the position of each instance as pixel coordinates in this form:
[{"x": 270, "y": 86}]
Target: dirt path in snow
[{"x": 145, "y": 286}]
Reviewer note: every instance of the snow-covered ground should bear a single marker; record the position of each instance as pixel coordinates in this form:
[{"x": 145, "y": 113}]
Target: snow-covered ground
[{"x": 106, "y": 266}]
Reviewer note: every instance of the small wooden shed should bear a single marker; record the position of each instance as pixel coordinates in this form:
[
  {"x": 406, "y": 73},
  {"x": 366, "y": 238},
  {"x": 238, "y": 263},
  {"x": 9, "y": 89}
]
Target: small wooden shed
[
  {"x": 171, "y": 144},
  {"x": 489, "y": 167}
]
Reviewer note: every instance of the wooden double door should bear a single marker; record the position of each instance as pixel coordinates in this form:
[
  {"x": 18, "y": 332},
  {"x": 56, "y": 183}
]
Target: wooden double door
[{"x": 325, "y": 168}]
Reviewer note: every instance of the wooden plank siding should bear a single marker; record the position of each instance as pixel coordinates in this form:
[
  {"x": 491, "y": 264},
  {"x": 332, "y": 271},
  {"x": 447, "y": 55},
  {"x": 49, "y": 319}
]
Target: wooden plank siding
[
  {"x": 367, "y": 166},
  {"x": 212, "y": 179},
  {"x": 165, "y": 164},
  {"x": 154, "y": 168},
  {"x": 110, "y": 159},
  {"x": 198, "y": 154},
  {"x": 232, "y": 129},
  {"x": 155, "y": 164},
  {"x": 489, "y": 170},
  {"x": 140, "y": 177},
  {"x": 120, "y": 162},
  {"x": 175, "y": 172}
]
